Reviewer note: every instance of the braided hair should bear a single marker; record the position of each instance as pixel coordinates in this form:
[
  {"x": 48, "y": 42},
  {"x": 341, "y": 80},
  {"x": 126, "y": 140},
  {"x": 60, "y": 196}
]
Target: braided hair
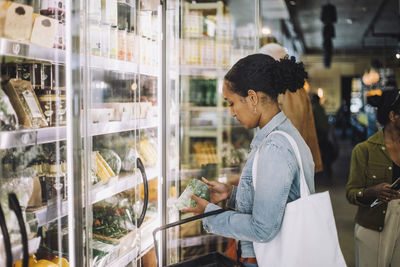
[
  {"x": 262, "y": 73},
  {"x": 388, "y": 101}
]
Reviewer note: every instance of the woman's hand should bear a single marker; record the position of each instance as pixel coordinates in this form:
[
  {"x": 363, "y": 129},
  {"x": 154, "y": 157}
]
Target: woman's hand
[
  {"x": 218, "y": 191},
  {"x": 200, "y": 207},
  {"x": 382, "y": 191}
]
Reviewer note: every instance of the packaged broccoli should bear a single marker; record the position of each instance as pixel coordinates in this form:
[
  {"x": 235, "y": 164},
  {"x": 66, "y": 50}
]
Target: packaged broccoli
[
  {"x": 195, "y": 187},
  {"x": 112, "y": 159}
]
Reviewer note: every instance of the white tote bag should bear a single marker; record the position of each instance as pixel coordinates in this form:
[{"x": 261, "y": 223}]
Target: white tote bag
[{"x": 308, "y": 236}]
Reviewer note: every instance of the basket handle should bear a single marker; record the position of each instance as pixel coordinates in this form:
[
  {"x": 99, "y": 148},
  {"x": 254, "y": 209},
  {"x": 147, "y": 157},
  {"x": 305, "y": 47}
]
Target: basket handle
[
  {"x": 190, "y": 219},
  {"x": 6, "y": 238},
  {"x": 14, "y": 205}
]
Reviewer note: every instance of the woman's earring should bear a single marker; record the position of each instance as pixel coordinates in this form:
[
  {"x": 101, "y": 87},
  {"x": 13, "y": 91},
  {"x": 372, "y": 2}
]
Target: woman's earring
[{"x": 255, "y": 109}]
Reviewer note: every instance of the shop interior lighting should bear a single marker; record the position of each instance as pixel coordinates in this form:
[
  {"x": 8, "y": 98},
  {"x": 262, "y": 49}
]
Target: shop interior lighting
[
  {"x": 398, "y": 55},
  {"x": 266, "y": 31},
  {"x": 320, "y": 92}
]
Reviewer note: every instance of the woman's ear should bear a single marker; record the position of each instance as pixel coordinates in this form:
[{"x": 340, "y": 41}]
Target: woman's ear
[{"x": 253, "y": 97}]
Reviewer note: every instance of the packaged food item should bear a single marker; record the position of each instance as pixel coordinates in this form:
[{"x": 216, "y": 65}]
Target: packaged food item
[
  {"x": 130, "y": 46},
  {"x": 64, "y": 261},
  {"x": 104, "y": 171},
  {"x": 53, "y": 104},
  {"x": 59, "y": 39},
  {"x": 16, "y": 21},
  {"x": 122, "y": 44},
  {"x": 95, "y": 10},
  {"x": 25, "y": 103},
  {"x": 44, "y": 30},
  {"x": 8, "y": 117},
  {"x": 105, "y": 40},
  {"x": 112, "y": 159},
  {"x": 195, "y": 187},
  {"x": 95, "y": 39},
  {"x": 52, "y": 7},
  {"x": 109, "y": 12},
  {"x": 114, "y": 42}
]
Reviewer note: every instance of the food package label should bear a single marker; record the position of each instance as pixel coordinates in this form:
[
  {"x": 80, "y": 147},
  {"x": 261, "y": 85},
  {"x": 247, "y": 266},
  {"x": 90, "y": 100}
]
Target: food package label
[
  {"x": 16, "y": 21},
  {"x": 44, "y": 30}
]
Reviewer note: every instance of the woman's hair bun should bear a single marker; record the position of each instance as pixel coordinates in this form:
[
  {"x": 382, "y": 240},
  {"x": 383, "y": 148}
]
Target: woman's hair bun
[
  {"x": 289, "y": 74},
  {"x": 375, "y": 101}
]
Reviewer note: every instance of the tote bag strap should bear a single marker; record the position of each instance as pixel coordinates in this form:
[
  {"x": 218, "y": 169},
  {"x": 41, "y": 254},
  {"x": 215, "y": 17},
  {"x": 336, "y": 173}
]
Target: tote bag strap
[{"x": 304, "y": 190}]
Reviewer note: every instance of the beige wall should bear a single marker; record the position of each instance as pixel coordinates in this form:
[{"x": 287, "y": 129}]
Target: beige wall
[{"x": 330, "y": 79}]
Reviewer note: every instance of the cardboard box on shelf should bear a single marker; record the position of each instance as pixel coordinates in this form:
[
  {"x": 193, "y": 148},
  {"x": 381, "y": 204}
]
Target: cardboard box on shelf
[
  {"x": 15, "y": 21},
  {"x": 44, "y": 30}
]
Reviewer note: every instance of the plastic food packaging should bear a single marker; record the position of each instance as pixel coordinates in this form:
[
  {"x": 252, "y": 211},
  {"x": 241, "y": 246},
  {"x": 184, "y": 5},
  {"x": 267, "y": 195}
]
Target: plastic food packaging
[
  {"x": 195, "y": 187},
  {"x": 8, "y": 117},
  {"x": 25, "y": 103}
]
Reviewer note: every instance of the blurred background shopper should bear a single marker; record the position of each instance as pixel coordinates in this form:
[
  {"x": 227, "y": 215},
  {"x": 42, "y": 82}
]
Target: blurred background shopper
[{"x": 374, "y": 167}]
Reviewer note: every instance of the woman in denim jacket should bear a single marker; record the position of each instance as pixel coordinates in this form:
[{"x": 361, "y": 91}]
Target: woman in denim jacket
[{"x": 251, "y": 88}]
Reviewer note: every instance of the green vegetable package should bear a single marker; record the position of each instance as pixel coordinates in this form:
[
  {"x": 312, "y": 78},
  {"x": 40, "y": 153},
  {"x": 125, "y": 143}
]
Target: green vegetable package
[{"x": 195, "y": 187}]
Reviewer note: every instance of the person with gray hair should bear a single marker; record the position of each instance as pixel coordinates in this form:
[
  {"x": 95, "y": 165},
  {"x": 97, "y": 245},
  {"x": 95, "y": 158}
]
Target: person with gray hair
[{"x": 297, "y": 108}]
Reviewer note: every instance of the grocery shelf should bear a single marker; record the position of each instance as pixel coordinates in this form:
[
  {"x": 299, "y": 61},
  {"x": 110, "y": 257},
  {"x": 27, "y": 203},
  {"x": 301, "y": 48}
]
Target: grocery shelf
[
  {"x": 30, "y": 51},
  {"x": 121, "y": 126},
  {"x": 125, "y": 259},
  {"x": 104, "y": 63},
  {"x": 147, "y": 239},
  {"x": 119, "y": 184},
  {"x": 49, "y": 213},
  {"x": 202, "y": 133},
  {"x": 195, "y": 70},
  {"x": 30, "y": 137},
  {"x": 33, "y": 245},
  {"x": 148, "y": 70}
]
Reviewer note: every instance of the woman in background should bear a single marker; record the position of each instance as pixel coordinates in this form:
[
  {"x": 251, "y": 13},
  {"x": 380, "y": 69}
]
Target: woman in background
[{"x": 374, "y": 167}]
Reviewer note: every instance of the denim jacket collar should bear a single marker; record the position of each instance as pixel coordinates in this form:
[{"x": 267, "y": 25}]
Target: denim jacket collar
[{"x": 277, "y": 120}]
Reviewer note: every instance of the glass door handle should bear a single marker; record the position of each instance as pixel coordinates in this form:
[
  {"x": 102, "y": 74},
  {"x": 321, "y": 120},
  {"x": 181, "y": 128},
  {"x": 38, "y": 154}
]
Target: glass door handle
[
  {"x": 146, "y": 192},
  {"x": 14, "y": 205},
  {"x": 6, "y": 238}
]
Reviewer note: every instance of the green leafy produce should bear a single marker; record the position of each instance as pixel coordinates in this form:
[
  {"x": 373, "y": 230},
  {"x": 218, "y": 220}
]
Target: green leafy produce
[
  {"x": 195, "y": 187},
  {"x": 112, "y": 159},
  {"x": 8, "y": 117}
]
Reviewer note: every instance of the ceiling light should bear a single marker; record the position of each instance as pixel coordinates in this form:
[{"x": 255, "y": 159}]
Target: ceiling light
[
  {"x": 293, "y": 3},
  {"x": 266, "y": 31},
  {"x": 398, "y": 55}
]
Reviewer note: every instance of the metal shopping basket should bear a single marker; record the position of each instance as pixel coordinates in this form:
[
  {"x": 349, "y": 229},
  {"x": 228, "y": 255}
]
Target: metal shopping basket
[{"x": 214, "y": 259}]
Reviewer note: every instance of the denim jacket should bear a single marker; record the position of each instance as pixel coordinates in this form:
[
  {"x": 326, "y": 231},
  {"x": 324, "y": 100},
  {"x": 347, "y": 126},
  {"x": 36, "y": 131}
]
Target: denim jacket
[{"x": 257, "y": 215}]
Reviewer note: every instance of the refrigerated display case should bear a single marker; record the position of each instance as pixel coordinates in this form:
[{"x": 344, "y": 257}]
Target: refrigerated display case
[
  {"x": 210, "y": 37},
  {"x": 107, "y": 108}
]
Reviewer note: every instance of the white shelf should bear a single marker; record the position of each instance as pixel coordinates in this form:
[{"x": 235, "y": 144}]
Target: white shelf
[
  {"x": 100, "y": 192},
  {"x": 33, "y": 246},
  {"x": 121, "y": 126},
  {"x": 30, "y": 51},
  {"x": 125, "y": 259},
  {"x": 119, "y": 184},
  {"x": 195, "y": 70},
  {"x": 113, "y": 64},
  {"x": 52, "y": 134},
  {"x": 202, "y": 133},
  {"x": 47, "y": 214},
  {"x": 147, "y": 236}
]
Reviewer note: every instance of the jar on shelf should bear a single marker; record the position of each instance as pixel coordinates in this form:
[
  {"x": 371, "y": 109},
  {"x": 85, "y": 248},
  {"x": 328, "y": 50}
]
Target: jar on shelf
[
  {"x": 122, "y": 44},
  {"x": 130, "y": 46},
  {"x": 105, "y": 40},
  {"x": 114, "y": 42}
]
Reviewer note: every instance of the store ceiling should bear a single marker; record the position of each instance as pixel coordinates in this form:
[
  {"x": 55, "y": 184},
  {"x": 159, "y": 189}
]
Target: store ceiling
[{"x": 355, "y": 17}]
